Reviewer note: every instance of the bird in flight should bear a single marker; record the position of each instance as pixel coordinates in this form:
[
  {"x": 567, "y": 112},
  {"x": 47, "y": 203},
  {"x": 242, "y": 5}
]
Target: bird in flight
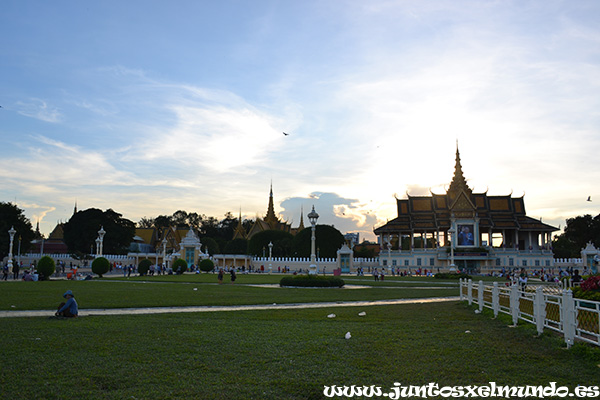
[
  {"x": 589, "y": 198},
  {"x": 286, "y": 134}
]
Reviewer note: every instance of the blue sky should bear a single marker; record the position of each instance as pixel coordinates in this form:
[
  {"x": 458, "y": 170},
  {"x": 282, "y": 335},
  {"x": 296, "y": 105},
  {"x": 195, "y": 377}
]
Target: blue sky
[{"x": 150, "y": 107}]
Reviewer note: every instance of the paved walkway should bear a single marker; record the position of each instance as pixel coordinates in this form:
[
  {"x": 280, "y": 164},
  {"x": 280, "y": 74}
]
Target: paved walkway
[{"x": 274, "y": 306}]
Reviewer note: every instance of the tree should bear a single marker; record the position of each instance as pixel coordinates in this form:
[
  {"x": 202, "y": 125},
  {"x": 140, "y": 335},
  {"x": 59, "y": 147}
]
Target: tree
[
  {"x": 211, "y": 246},
  {"x": 179, "y": 266},
  {"x": 282, "y": 243},
  {"x": 100, "y": 266},
  {"x": 578, "y": 232},
  {"x": 206, "y": 265},
  {"x": 13, "y": 216},
  {"x": 81, "y": 231},
  {"x": 328, "y": 240},
  {"x": 144, "y": 266},
  {"x": 145, "y": 223},
  {"x": 46, "y": 267},
  {"x": 237, "y": 246}
]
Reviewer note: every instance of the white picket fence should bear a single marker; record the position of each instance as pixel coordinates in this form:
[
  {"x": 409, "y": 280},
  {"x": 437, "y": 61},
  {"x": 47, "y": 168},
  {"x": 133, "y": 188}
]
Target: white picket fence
[{"x": 544, "y": 306}]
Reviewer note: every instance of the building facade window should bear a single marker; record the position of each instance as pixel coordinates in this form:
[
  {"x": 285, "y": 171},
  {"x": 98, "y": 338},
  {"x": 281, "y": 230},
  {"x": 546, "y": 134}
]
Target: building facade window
[
  {"x": 406, "y": 263},
  {"x": 418, "y": 262}
]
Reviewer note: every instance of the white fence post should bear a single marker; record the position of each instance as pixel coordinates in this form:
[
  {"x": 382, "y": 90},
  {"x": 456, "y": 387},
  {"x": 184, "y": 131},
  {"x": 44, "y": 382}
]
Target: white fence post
[
  {"x": 480, "y": 295},
  {"x": 460, "y": 289},
  {"x": 568, "y": 314},
  {"x": 539, "y": 310},
  {"x": 470, "y": 291},
  {"x": 495, "y": 299},
  {"x": 514, "y": 303}
]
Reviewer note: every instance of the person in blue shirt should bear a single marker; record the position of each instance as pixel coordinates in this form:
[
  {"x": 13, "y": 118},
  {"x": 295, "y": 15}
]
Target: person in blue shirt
[{"x": 68, "y": 309}]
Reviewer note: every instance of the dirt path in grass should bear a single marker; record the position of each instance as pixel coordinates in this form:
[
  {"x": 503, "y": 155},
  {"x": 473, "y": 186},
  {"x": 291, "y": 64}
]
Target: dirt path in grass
[{"x": 273, "y": 306}]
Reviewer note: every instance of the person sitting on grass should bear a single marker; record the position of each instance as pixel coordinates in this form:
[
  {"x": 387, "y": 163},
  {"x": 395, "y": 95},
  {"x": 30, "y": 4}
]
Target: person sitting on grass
[{"x": 68, "y": 309}]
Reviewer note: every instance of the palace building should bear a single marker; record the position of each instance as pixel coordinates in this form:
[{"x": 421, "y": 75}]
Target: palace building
[{"x": 462, "y": 230}]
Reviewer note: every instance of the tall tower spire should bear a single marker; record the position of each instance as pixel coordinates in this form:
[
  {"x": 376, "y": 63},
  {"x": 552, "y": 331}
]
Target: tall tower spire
[
  {"x": 75, "y": 209},
  {"x": 239, "y": 232},
  {"x": 301, "y": 226},
  {"x": 458, "y": 180},
  {"x": 271, "y": 218}
]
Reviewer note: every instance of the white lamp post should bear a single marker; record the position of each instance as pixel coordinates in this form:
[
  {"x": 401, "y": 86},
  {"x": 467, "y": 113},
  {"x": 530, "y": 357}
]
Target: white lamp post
[
  {"x": 101, "y": 234},
  {"x": 98, "y": 247},
  {"x": 270, "y": 257},
  {"x": 451, "y": 232},
  {"x": 11, "y": 232},
  {"x": 312, "y": 217}
]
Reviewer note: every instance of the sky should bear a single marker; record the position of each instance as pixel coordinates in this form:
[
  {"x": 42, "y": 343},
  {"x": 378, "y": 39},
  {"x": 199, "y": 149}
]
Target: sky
[{"x": 149, "y": 107}]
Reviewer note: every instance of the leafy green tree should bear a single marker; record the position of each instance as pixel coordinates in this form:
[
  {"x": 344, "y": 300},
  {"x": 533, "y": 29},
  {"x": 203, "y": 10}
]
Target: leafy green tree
[
  {"x": 282, "y": 243},
  {"x": 363, "y": 251},
  {"x": 144, "y": 266},
  {"x": 100, "y": 266},
  {"x": 145, "y": 223},
  {"x": 328, "y": 240},
  {"x": 210, "y": 245},
  {"x": 179, "y": 266},
  {"x": 13, "y": 216},
  {"x": 236, "y": 246},
  {"x": 81, "y": 231},
  {"x": 578, "y": 232},
  {"x": 206, "y": 265},
  {"x": 46, "y": 267}
]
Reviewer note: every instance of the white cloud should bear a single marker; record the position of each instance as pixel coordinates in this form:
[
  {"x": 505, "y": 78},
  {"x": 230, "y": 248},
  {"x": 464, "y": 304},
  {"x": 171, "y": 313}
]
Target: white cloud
[{"x": 39, "y": 109}]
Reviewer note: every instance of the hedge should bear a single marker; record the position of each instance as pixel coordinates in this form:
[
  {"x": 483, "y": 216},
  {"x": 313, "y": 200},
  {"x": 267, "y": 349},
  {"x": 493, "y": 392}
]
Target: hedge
[{"x": 311, "y": 281}]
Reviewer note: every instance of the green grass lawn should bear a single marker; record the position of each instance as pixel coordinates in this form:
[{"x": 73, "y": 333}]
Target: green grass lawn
[
  {"x": 277, "y": 354},
  {"x": 168, "y": 291},
  {"x": 267, "y": 354}
]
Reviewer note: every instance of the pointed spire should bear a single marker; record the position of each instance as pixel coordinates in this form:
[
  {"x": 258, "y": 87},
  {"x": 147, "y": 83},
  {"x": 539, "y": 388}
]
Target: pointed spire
[
  {"x": 271, "y": 218},
  {"x": 75, "y": 209},
  {"x": 458, "y": 180},
  {"x": 301, "y": 226},
  {"x": 240, "y": 232}
]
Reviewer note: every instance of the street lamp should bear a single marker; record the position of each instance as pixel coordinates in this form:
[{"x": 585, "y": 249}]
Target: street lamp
[
  {"x": 270, "y": 257},
  {"x": 98, "y": 241},
  {"x": 11, "y": 232},
  {"x": 312, "y": 217},
  {"x": 451, "y": 232},
  {"x": 101, "y": 234}
]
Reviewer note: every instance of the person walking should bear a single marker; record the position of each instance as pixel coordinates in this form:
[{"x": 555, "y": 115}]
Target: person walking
[{"x": 233, "y": 275}]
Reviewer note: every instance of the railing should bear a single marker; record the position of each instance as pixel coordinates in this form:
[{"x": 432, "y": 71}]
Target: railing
[{"x": 542, "y": 305}]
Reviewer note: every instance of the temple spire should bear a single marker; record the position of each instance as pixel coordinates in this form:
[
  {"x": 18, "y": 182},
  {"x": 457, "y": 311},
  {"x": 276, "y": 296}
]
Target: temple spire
[
  {"x": 301, "y": 226},
  {"x": 458, "y": 180},
  {"x": 240, "y": 232},
  {"x": 271, "y": 218}
]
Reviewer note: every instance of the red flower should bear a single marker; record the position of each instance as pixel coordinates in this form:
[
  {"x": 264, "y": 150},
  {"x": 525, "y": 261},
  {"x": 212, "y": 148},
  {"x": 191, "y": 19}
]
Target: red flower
[{"x": 591, "y": 283}]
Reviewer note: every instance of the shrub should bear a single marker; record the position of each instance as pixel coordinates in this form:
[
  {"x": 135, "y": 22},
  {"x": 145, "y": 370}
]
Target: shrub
[
  {"x": 206, "y": 265},
  {"x": 451, "y": 275},
  {"x": 179, "y": 266},
  {"x": 591, "y": 283},
  {"x": 587, "y": 295},
  {"x": 312, "y": 281},
  {"x": 46, "y": 267},
  {"x": 100, "y": 266},
  {"x": 144, "y": 266}
]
